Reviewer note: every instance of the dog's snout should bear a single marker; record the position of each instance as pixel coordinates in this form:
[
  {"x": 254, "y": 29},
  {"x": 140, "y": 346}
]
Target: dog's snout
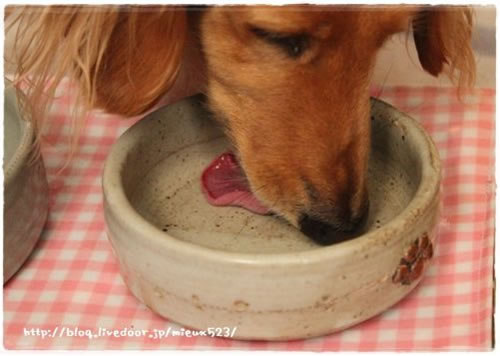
[
  {"x": 335, "y": 229},
  {"x": 322, "y": 232},
  {"x": 325, "y": 233}
]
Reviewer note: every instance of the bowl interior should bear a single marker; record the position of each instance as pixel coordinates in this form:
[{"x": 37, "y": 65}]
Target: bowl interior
[
  {"x": 12, "y": 127},
  {"x": 17, "y": 136},
  {"x": 161, "y": 179}
]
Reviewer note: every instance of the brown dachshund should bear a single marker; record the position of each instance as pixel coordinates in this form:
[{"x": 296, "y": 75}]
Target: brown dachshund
[{"x": 290, "y": 84}]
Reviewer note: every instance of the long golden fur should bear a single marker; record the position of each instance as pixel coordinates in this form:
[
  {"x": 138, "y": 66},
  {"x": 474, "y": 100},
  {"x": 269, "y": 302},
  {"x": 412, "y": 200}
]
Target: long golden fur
[{"x": 291, "y": 84}]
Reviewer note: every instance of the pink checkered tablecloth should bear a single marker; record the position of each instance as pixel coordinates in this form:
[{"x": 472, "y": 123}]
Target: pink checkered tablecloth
[{"x": 72, "y": 280}]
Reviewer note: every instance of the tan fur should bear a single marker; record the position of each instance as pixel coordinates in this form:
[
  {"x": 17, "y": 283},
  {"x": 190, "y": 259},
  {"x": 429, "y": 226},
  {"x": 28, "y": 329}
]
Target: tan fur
[{"x": 300, "y": 125}]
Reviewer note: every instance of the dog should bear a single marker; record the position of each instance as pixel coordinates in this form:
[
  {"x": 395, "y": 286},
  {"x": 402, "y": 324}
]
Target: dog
[{"x": 290, "y": 84}]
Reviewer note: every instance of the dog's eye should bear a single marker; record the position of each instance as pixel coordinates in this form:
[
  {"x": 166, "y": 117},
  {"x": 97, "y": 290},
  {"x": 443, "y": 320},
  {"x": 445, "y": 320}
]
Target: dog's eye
[{"x": 293, "y": 45}]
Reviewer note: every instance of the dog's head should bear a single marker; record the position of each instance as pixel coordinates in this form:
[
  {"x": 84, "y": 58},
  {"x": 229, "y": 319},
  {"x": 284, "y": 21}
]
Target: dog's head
[{"x": 291, "y": 84}]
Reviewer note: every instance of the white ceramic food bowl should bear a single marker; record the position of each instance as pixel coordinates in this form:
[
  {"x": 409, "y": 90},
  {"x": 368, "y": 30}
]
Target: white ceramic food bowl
[
  {"x": 26, "y": 192},
  {"x": 205, "y": 266}
]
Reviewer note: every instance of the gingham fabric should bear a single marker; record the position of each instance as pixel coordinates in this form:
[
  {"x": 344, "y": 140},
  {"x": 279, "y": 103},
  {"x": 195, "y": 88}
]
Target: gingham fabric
[{"x": 71, "y": 284}]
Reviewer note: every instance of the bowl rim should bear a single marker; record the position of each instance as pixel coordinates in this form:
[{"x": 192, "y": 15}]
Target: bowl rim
[
  {"x": 24, "y": 146},
  {"x": 114, "y": 198}
]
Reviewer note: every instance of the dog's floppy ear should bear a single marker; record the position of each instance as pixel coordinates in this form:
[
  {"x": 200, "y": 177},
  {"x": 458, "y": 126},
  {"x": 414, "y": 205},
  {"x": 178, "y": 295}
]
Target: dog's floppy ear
[
  {"x": 443, "y": 40},
  {"x": 141, "y": 60},
  {"x": 122, "y": 58}
]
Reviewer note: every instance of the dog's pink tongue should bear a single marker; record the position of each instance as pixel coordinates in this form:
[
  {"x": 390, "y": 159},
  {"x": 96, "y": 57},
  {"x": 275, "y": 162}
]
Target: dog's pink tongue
[{"x": 224, "y": 183}]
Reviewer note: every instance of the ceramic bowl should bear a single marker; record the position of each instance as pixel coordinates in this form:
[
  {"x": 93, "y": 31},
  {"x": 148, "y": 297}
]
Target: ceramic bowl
[
  {"x": 205, "y": 266},
  {"x": 26, "y": 192}
]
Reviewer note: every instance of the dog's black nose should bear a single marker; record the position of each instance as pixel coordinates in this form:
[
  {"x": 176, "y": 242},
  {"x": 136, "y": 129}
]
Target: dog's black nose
[{"x": 328, "y": 233}]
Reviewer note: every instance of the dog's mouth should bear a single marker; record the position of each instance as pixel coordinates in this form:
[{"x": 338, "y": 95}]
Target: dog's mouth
[{"x": 224, "y": 184}]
